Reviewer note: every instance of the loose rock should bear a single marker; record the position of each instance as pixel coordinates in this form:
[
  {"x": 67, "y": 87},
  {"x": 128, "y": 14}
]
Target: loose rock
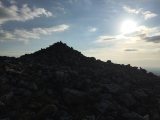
[{"x": 59, "y": 83}]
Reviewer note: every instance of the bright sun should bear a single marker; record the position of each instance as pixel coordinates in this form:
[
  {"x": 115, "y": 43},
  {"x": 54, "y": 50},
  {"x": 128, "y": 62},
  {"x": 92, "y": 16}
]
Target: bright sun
[{"x": 128, "y": 26}]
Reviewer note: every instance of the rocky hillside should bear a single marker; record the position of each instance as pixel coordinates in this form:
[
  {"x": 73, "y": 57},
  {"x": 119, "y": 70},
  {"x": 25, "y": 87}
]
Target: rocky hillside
[{"x": 59, "y": 83}]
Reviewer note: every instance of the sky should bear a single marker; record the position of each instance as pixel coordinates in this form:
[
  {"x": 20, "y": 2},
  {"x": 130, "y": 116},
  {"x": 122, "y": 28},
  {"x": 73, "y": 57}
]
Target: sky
[{"x": 123, "y": 31}]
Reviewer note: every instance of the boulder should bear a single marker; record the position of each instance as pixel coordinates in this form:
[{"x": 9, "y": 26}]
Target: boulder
[
  {"x": 72, "y": 96},
  {"x": 127, "y": 99},
  {"x": 7, "y": 96},
  {"x": 133, "y": 116},
  {"x": 3, "y": 80},
  {"x": 45, "y": 112},
  {"x": 104, "y": 106},
  {"x": 114, "y": 88},
  {"x": 140, "y": 94}
]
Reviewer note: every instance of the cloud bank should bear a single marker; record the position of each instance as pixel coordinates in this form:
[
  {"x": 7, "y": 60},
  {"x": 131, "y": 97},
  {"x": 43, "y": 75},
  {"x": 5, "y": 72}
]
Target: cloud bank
[
  {"x": 21, "y": 14},
  {"x": 25, "y": 35},
  {"x": 154, "y": 39}
]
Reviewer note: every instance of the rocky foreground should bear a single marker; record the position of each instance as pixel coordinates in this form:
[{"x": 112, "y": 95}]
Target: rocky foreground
[{"x": 59, "y": 83}]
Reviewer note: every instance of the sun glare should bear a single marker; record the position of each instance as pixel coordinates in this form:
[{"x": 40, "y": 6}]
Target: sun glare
[{"x": 128, "y": 26}]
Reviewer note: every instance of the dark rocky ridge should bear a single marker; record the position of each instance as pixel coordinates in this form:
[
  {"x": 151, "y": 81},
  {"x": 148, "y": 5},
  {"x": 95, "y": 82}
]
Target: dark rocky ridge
[{"x": 59, "y": 83}]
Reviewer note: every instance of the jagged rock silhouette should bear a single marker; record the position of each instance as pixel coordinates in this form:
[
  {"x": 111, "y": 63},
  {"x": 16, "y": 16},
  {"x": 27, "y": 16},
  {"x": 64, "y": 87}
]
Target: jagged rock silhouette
[{"x": 59, "y": 83}]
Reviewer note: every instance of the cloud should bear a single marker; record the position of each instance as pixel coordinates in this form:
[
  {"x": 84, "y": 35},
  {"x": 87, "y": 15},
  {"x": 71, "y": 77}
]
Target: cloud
[
  {"x": 71, "y": 1},
  {"x": 154, "y": 39},
  {"x": 5, "y": 34},
  {"x": 21, "y": 14},
  {"x": 143, "y": 31},
  {"x": 148, "y": 15},
  {"x": 58, "y": 7},
  {"x": 128, "y": 9},
  {"x": 106, "y": 38},
  {"x": 26, "y": 35},
  {"x": 139, "y": 34},
  {"x": 146, "y": 34},
  {"x": 93, "y": 29},
  {"x": 12, "y": 1},
  {"x": 50, "y": 30},
  {"x": 61, "y": 9},
  {"x": 149, "y": 34},
  {"x": 129, "y": 50}
]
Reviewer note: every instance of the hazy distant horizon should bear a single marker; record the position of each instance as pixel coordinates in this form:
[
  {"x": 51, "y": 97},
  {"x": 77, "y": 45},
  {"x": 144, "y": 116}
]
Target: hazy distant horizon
[{"x": 155, "y": 71}]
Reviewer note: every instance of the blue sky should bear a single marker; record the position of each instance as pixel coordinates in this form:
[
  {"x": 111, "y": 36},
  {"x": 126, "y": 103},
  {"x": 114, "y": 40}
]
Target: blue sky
[{"x": 93, "y": 27}]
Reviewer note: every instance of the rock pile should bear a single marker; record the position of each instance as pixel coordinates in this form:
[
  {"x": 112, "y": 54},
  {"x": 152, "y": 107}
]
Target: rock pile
[{"x": 59, "y": 83}]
